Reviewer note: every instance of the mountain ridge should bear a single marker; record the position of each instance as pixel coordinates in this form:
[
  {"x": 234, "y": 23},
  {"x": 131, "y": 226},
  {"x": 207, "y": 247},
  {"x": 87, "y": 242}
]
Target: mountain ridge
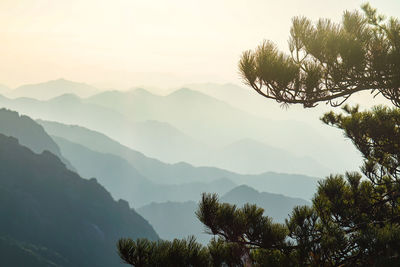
[
  {"x": 29, "y": 133},
  {"x": 178, "y": 219},
  {"x": 178, "y": 173},
  {"x": 53, "y": 88},
  {"x": 44, "y": 204}
]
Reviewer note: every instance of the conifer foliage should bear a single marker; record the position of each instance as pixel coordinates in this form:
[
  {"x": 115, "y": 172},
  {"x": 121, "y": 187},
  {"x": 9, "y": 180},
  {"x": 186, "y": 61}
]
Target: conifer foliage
[{"x": 329, "y": 61}]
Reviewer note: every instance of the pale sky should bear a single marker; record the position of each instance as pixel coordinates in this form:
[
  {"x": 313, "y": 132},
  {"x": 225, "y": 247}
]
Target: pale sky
[{"x": 164, "y": 43}]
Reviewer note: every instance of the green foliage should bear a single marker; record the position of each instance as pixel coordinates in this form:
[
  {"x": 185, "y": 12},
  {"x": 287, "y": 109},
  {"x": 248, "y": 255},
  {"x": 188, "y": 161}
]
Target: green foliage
[
  {"x": 328, "y": 61},
  {"x": 142, "y": 252},
  {"x": 246, "y": 225}
]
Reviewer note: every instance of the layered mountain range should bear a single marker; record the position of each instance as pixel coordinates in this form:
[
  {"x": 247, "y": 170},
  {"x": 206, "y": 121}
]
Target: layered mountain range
[
  {"x": 53, "y": 217},
  {"x": 74, "y": 161},
  {"x": 190, "y": 126}
]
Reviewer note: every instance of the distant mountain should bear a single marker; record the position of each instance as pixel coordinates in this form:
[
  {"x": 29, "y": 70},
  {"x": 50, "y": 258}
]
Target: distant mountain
[
  {"x": 188, "y": 125},
  {"x": 275, "y": 206},
  {"x": 252, "y": 157},
  {"x": 29, "y": 133},
  {"x": 162, "y": 173},
  {"x": 163, "y": 141},
  {"x": 119, "y": 177},
  {"x": 4, "y": 89},
  {"x": 157, "y": 139},
  {"x": 205, "y": 118},
  {"x": 68, "y": 220},
  {"x": 99, "y": 142},
  {"x": 177, "y": 219},
  {"x": 51, "y": 89},
  {"x": 218, "y": 124},
  {"x": 245, "y": 98},
  {"x": 155, "y": 170},
  {"x": 124, "y": 181}
]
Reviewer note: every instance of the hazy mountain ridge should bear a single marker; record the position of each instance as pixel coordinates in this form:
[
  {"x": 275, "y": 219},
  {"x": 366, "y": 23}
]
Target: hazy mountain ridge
[
  {"x": 29, "y": 133},
  {"x": 124, "y": 181},
  {"x": 178, "y": 219},
  {"x": 119, "y": 177},
  {"x": 44, "y": 204},
  {"x": 175, "y": 220},
  {"x": 276, "y": 206},
  {"x": 151, "y": 137},
  {"x": 176, "y": 127},
  {"x": 162, "y": 141},
  {"x": 195, "y": 113},
  {"x": 51, "y": 89},
  {"x": 162, "y": 173},
  {"x": 4, "y": 89},
  {"x": 248, "y": 156}
]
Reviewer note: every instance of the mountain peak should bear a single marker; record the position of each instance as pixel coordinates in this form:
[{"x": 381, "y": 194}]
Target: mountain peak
[
  {"x": 185, "y": 91},
  {"x": 140, "y": 90},
  {"x": 66, "y": 98},
  {"x": 53, "y": 88},
  {"x": 243, "y": 190}
]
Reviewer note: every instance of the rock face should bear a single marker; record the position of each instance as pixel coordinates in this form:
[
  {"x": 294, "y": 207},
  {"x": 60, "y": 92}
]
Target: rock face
[{"x": 60, "y": 218}]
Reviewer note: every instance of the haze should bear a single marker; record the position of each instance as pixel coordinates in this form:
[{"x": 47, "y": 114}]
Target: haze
[{"x": 124, "y": 43}]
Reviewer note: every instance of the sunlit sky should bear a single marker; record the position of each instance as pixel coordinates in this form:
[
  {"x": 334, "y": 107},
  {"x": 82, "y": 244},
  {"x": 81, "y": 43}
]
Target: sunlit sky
[{"x": 125, "y": 43}]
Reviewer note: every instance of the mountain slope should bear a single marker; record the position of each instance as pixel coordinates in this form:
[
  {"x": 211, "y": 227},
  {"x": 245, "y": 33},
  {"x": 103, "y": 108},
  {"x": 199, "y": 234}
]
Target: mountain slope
[
  {"x": 44, "y": 204},
  {"x": 155, "y": 170},
  {"x": 116, "y": 174},
  {"x": 17, "y": 253},
  {"x": 29, "y": 133},
  {"x": 123, "y": 181},
  {"x": 51, "y": 89}
]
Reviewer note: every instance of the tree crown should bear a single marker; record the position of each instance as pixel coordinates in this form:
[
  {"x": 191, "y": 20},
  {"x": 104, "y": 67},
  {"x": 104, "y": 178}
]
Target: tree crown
[{"x": 328, "y": 62}]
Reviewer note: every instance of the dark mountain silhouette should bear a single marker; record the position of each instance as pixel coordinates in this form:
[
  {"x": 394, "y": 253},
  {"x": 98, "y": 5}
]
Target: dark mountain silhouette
[
  {"x": 178, "y": 219},
  {"x": 70, "y": 221},
  {"x": 51, "y": 89},
  {"x": 29, "y": 133},
  {"x": 18, "y": 253},
  {"x": 162, "y": 173}
]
